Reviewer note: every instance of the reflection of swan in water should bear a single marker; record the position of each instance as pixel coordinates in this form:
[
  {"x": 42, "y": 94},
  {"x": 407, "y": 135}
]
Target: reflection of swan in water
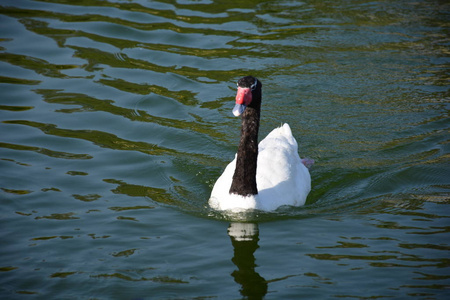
[{"x": 244, "y": 238}]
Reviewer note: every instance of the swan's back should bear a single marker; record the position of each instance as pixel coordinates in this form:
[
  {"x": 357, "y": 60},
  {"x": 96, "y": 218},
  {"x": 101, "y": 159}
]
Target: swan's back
[{"x": 281, "y": 177}]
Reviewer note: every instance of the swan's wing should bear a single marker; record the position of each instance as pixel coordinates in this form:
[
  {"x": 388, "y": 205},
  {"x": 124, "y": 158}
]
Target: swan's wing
[
  {"x": 222, "y": 186},
  {"x": 280, "y": 136},
  {"x": 282, "y": 178}
]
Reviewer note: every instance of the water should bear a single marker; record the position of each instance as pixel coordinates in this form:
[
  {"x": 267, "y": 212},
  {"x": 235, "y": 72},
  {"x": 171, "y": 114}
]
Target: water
[{"x": 116, "y": 121}]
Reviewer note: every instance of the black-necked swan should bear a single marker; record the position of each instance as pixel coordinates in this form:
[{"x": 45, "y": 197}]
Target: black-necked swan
[{"x": 262, "y": 177}]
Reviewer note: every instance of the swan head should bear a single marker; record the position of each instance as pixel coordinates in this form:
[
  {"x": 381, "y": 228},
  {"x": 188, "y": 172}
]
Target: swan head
[{"x": 248, "y": 94}]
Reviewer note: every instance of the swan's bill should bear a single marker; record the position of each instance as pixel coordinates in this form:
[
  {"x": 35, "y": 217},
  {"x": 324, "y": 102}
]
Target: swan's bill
[{"x": 238, "y": 109}]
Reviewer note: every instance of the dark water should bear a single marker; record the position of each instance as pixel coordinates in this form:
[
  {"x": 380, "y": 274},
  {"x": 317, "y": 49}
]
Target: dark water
[{"x": 116, "y": 121}]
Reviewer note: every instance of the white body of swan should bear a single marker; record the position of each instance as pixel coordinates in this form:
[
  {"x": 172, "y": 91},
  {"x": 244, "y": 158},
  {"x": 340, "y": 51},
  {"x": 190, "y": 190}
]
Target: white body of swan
[{"x": 281, "y": 177}]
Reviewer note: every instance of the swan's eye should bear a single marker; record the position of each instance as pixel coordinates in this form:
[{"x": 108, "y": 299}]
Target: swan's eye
[{"x": 253, "y": 86}]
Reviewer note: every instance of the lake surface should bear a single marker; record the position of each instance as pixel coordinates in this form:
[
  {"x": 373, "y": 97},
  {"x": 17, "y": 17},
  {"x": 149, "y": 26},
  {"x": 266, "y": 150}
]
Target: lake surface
[{"x": 116, "y": 121}]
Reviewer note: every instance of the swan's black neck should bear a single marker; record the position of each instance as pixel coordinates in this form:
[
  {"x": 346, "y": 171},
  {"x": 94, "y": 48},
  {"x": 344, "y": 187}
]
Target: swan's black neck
[{"x": 244, "y": 178}]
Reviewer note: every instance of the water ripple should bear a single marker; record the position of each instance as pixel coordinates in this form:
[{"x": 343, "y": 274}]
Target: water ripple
[{"x": 115, "y": 122}]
